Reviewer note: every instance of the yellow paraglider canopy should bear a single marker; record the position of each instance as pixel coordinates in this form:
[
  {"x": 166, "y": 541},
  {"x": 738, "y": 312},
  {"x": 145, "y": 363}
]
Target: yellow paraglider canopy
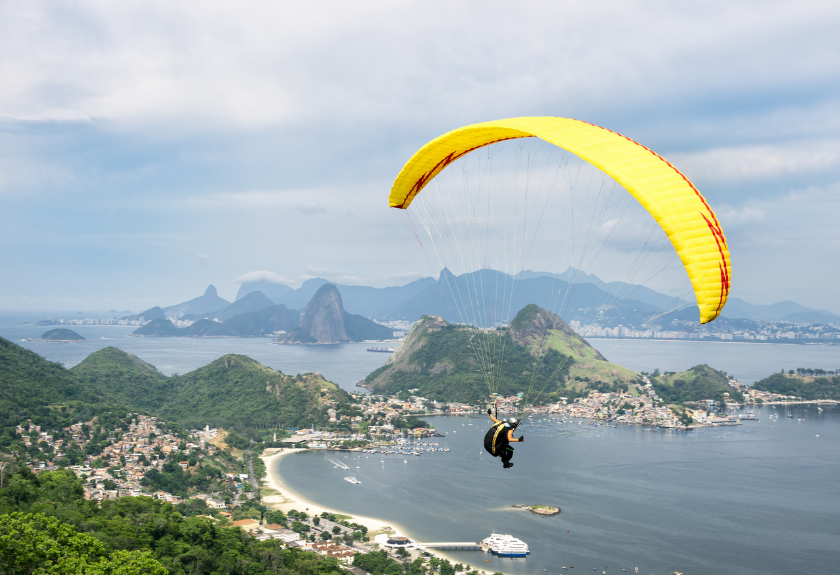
[{"x": 672, "y": 200}]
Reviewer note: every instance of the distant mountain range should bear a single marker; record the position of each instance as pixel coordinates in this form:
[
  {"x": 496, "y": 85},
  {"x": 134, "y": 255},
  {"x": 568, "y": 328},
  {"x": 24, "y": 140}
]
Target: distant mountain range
[
  {"x": 483, "y": 298},
  {"x": 504, "y": 295},
  {"x": 324, "y": 321}
]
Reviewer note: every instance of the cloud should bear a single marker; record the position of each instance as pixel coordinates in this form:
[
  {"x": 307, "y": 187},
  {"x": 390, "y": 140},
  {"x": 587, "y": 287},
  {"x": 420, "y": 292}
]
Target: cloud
[
  {"x": 202, "y": 258},
  {"x": 264, "y": 275},
  {"x": 303, "y": 201},
  {"x": 268, "y": 134},
  {"x": 758, "y": 163}
]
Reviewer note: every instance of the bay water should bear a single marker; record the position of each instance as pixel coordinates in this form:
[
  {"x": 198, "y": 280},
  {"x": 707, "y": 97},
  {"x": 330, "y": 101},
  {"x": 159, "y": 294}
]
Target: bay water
[
  {"x": 347, "y": 364},
  {"x": 757, "y": 498},
  {"x": 343, "y": 364}
]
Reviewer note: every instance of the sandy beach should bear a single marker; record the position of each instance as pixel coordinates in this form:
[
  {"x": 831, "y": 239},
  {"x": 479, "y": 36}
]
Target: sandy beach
[{"x": 285, "y": 499}]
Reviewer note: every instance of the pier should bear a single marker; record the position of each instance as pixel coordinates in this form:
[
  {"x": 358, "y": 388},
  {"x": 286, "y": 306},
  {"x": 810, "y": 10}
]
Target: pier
[{"x": 451, "y": 545}]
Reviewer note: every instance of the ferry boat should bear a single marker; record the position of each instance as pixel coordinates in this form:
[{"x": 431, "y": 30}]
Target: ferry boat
[
  {"x": 382, "y": 349},
  {"x": 505, "y": 546},
  {"x": 351, "y": 479}
]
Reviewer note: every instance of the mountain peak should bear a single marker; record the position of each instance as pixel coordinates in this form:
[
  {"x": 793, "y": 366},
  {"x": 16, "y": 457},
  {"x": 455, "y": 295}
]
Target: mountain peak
[
  {"x": 323, "y": 320},
  {"x": 211, "y": 291},
  {"x": 532, "y": 325}
]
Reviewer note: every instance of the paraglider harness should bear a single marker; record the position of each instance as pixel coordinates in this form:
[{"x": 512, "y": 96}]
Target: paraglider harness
[{"x": 496, "y": 442}]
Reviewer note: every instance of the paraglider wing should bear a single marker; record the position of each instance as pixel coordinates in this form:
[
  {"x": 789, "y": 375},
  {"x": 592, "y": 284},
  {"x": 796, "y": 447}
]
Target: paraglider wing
[{"x": 670, "y": 198}]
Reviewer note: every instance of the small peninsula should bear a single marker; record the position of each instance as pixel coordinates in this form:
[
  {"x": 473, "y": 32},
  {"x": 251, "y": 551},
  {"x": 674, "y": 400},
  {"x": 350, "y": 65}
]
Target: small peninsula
[{"x": 62, "y": 335}]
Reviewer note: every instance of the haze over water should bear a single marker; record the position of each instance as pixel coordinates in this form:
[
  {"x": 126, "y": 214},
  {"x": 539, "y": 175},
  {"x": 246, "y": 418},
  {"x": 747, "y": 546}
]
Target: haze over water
[
  {"x": 346, "y": 364},
  {"x": 753, "y": 499}
]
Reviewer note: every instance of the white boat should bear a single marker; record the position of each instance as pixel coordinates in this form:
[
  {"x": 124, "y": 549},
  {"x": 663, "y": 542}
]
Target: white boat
[
  {"x": 351, "y": 479},
  {"x": 505, "y": 546},
  {"x": 337, "y": 463}
]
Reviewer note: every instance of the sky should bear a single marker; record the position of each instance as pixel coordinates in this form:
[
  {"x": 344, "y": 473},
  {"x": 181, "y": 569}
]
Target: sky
[{"x": 148, "y": 149}]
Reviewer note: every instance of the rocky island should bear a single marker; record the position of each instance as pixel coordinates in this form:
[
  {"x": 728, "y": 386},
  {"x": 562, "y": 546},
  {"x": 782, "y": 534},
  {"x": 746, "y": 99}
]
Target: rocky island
[
  {"x": 546, "y": 510},
  {"x": 62, "y": 335}
]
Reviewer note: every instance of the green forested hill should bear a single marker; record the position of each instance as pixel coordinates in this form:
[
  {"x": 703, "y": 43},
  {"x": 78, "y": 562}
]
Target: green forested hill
[
  {"x": 539, "y": 356},
  {"x": 28, "y": 382},
  {"x": 235, "y": 390},
  {"x": 699, "y": 382},
  {"x": 361, "y": 328},
  {"x": 160, "y": 327},
  {"x": 804, "y": 386},
  {"x": 268, "y": 320},
  {"x": 62, "y": 334},
  {"x": 125, "y": 377}
]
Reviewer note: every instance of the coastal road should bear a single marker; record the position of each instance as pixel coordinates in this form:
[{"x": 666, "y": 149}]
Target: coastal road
[{"x": 251, "y": 478}]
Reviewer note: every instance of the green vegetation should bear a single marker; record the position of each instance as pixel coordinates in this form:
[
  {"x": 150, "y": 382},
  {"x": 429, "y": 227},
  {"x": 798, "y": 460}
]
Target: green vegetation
[
  {"x": 232, "y": 392},
  {"x": 378, "y": 563},
  {"x": 236, "y": 391},
  {"x": 125, "y": 377},
  {"x": 539, "y": 356},
  {"x": 62, "y": 334},
  {"x": 800, "y": 385},
  {"x": 135, "y": 534},
  {"x": 360, "y": 328},
  {"x": 268, "y": 320},
  {"x": 526, "y": 317},
  {"x": 32, "y": 387},
  {"x": 444, "y": 367},
  {"x": 35, "y": 543},
  {"x": 160, "y": 327},
  {"x": 699, "y": 382}
]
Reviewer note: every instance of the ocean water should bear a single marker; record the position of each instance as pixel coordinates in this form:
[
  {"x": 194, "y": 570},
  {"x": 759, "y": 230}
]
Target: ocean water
[
  {"x": 343, "y": 364},
  {"x": 347, "y": 364},
  {"x": 752, "y": 499},
  {"x": 748, "y": 362}
]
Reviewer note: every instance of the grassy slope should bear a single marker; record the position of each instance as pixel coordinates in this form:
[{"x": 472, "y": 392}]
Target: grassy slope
[{"x": 587, "y": 361}]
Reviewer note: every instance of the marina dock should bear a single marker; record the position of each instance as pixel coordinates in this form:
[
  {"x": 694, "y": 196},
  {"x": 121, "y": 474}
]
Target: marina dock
[{"x": 452, "y": 545}]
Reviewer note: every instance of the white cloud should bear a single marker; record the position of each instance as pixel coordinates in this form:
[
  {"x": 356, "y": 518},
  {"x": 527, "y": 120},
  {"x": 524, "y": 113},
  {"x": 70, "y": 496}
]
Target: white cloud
[
  {"x": 725, "y": 165},
  {"x": 264, "y": 275},
  {"x": 254, "y": 64},
  {"x": 268, "y": 134}
]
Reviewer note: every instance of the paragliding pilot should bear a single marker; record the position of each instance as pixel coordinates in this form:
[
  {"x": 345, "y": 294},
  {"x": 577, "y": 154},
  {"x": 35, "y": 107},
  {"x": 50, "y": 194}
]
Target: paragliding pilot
[{"x": 500, "y": 436}]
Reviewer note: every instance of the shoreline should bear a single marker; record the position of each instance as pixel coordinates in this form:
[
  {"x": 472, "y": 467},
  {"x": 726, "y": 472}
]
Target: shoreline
[{"x": 286, "y": 499}]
